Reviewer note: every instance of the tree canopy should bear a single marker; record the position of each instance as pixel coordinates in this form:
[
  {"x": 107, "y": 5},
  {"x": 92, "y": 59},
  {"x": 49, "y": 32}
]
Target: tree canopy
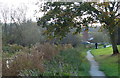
[{"x": 61, "y": 17}]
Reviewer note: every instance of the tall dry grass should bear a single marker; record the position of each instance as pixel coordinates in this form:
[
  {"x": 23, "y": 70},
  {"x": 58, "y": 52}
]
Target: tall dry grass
[
  {"x": 46, "y": 49},
  {"x": 32, "y": 59},
  {"x": 29, "y": 61},
  {"x": 23, "y": 61},
  {"x": 63, "y": 46}
]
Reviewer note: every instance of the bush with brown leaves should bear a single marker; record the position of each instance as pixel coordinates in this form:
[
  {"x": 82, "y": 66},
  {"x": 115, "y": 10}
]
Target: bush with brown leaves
[{"x": 46, "y": 49}]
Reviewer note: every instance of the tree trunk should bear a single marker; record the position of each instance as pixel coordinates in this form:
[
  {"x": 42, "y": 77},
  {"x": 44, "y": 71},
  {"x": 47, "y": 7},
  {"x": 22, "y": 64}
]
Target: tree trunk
[
  {"x": 114, "y": 43},
  {"x": 118, "y": 39}
]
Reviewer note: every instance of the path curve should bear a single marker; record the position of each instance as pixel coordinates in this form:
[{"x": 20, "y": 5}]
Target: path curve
[{"x": 94, "y": 69}]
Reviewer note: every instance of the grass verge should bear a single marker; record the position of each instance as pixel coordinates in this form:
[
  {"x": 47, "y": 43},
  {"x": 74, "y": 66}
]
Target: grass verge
[{"x": 108, "y": 64}]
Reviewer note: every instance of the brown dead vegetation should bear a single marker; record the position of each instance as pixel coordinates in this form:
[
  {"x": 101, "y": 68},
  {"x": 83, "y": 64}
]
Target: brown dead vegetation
[{"x": 32, "y": 59}]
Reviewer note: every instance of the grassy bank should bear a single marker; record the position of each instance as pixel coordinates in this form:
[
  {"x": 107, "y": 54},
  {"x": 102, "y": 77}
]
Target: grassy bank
[
  {"x": 108, "y": 64},
  {"x": 70, "y": 62}
]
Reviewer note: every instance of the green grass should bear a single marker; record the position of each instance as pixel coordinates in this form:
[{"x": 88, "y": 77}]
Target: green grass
[
  {"x": 70, "y": 62},
  {"x": 108, "y": 64}
]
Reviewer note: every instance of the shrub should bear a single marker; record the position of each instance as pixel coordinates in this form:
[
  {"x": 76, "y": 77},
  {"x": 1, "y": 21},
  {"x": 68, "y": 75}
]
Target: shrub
[
  {"x": 25, "y": 62},
  {"x": 7, "y": 49},
  {"x": 64, "y": 47},
  {"x": 46, "y": 49},
  {"x": 16, "y": 47},
  {"x": 12, "y": 48},
  {"x": 69, "y": 62}
]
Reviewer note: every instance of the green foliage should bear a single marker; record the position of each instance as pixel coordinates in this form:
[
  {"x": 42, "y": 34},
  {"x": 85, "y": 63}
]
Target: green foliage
[
  {"x": 33, "y": 72},
  {"x": 12, "y": 48},
  {"x": 62, "y": 16},
  {"x": 100, "y": 37},
  {"x": 58, "y": 21},
  {"x": 7, "y": 49},
  {"x": 70, "y": 62},
  {"x": 74, "y": 40},
  {"x": 28, "y": 63},
  {"x": 22, "y": 34}
]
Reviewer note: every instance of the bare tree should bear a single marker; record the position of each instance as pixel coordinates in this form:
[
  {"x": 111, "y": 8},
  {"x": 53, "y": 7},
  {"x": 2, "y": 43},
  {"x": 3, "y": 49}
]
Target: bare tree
[
  {"x": 13, "y": 18},
  {"x": 5, "y": 17}
]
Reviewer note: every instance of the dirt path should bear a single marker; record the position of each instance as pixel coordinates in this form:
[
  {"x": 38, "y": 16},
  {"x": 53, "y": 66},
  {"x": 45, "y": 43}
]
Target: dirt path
[{"x": 94, "y": 69}]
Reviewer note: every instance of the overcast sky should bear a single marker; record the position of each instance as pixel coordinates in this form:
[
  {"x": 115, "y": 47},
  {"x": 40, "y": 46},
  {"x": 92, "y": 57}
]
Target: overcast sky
[{"x": 31, "y": 7}]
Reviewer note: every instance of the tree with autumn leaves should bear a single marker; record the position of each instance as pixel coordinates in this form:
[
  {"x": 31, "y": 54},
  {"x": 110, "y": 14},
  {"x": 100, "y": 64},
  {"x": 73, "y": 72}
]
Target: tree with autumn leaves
[{"x": 61, "y": 17}]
